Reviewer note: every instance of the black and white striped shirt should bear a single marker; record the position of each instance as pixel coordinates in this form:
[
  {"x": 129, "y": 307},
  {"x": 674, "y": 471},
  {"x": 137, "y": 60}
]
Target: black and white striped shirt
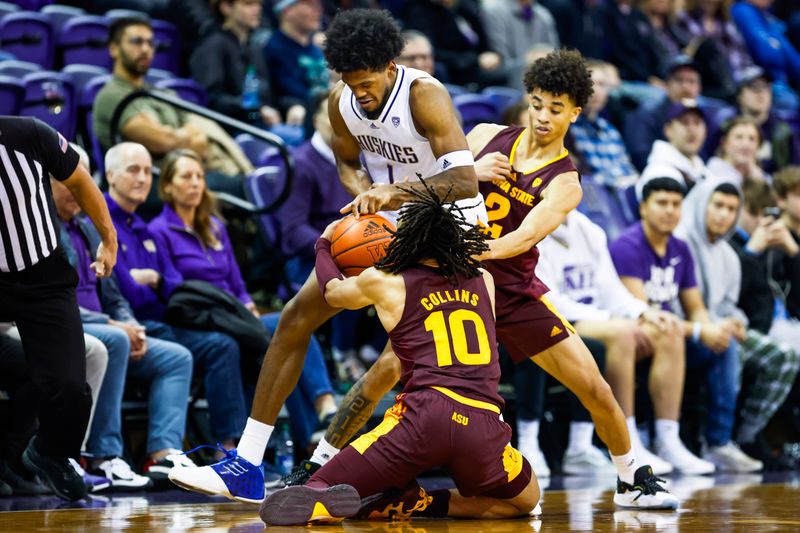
[{"x": 30, "y": 151}]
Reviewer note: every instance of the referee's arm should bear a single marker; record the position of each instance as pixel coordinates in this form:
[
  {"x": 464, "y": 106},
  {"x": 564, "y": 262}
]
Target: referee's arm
[{"x": 93, "y": 204}]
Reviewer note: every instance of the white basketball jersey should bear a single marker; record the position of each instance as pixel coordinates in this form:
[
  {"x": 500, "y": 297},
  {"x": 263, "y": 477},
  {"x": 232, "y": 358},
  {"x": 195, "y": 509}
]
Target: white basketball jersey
[{"x": 391, "y": 147}]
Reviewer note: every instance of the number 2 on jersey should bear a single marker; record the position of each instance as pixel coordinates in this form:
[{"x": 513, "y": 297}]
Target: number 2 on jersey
[
  {"x": 454, "y": 329},
  {"x": 497, "y": 207}
]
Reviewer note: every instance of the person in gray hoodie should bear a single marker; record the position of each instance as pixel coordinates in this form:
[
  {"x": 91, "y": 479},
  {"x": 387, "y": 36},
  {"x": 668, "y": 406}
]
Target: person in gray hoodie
[{"x": 709, "y": 218}]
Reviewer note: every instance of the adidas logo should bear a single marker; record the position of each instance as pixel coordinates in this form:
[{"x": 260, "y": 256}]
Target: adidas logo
[
  {"x": 373, "y": 126},
  {"x": 373, "y": 228},
  {"x": 555, "y": 331},
  {"x": 446, "y": 164}
]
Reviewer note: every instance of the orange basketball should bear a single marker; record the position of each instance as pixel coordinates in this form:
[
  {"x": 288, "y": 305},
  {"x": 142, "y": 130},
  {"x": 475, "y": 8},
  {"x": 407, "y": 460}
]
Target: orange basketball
[{"x": 357, "y": 244}]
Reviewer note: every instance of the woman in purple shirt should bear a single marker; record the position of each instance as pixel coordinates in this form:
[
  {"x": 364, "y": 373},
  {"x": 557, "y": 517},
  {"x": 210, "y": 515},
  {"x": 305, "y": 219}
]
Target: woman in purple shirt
[{"x": 199, "y": 247}]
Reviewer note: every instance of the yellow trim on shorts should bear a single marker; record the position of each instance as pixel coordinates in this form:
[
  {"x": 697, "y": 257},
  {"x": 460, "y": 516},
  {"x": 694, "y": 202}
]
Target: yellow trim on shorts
[
  {"x": 512, "y": 462},
  {"x": 392, "y": 417},
  {"x": 468, "y": 401},
  {"x": 553, "y": 310}
]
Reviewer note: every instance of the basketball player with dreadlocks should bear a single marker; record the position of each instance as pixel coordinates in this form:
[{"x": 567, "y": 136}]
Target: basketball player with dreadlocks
[
  {"x": 522, "y": 209},
  {"x": 430, "y": 293}
]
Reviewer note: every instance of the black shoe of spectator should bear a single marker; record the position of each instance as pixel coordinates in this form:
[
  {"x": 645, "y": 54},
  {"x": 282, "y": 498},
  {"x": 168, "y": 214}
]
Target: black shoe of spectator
[
  {"x": 21, "y": 484},
  {"x": 55, "y": 472},
  {"x": 760, "y": 449}
]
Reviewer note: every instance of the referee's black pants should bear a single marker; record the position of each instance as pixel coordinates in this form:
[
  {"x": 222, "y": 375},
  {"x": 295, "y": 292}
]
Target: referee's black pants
[{"x": 41, "y": 300}]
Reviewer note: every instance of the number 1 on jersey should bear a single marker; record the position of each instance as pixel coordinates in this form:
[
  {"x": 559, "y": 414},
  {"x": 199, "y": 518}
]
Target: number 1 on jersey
[
  {"x": 390, "y": 169},
  {"x": 454, "y": 329}
]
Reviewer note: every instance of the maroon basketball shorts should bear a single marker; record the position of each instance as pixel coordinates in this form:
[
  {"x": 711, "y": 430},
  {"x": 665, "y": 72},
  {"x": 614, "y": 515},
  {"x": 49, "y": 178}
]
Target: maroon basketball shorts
[
  {"x": 527, "y": 326},
  {"x": 427, "y": 429}
]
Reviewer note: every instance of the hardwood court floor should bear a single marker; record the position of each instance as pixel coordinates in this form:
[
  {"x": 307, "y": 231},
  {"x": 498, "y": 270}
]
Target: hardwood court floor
[{"x": 734, "y": 504}]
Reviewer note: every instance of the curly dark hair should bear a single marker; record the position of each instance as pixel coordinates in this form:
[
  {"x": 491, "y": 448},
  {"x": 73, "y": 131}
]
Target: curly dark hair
[
  {"x": 362, "y": 39},
  {"x": 429, "y": 229},
  {"x": 561, "y": 72}
]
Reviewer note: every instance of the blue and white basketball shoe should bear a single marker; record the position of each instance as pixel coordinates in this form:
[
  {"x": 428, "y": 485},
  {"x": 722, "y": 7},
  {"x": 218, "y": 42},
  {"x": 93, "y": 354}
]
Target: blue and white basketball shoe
[{"x": 233, "y": 477}]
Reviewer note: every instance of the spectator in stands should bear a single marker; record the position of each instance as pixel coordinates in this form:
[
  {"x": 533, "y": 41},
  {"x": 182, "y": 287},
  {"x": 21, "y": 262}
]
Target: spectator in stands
[
  {"x": 190, "y": 234},
  {"x": 658, "y": 268},
  {"x": 711, "y": 19},
  {"x": 418, "y": 54},
  {"x": 147, "y": 277},
  {"x": 295, "y": 64},
  {"x": 156, "y": 125},
  {"x": 585, "y": 287},
  {"x": 646, "y": 124},
  {"x": 780, "y": 145},
  {"x": 632, "y": 43},
  {"x": 787, "y": 189},
  {"x": 231, "y": 67},
  {"x": 459, "y": 40},
  {"x": 737, "y": 158},
  {"x": 770, "y": 263},
  {"x": 596, "y": 142},
  {"x": 165, "y": 366},
  {"x": 709, "y": 218},
  {"x": 517, "y": 115},
  {"x": 765, "y": 36},
  {"x": 20, "y": 425},
  {"x": 513, "y": 28},
  {"x": 677, "y": 157}
]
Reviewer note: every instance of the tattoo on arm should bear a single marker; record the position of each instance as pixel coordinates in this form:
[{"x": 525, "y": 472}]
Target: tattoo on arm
[{"x": 352, "y": 414}]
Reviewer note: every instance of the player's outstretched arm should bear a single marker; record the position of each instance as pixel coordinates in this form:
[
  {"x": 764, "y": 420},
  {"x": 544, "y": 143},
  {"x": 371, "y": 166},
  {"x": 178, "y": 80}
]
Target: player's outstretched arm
[
  {"x": 558, "y": 199},
  {"x": 346, "y": 149}
]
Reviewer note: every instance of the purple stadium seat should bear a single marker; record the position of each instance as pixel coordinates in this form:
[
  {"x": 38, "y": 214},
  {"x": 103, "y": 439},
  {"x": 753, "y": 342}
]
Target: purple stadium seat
[
  {"x": 252, "y": 147},
  {"x": 503, "y": 97},
  {"x": 50, "y": 97},
  {"x": 455, "y": 90},
  {"x": 29, "y": 36},
  {"x": 6, "y": 8},
  {"x": 12, "y": 94},
  {"x": 18, "y": 69},
  {"x": 186, "y": 88},
  {"x": 291, "y": 135},
  {"x": 32, "y": 5},
  {"x": 168, "y": 49},
  {"x": 474, "y": 109},
  {"x": 154, "y": 75},
  {"x": 83, "y": 74},
  {"x": 83, "y": 40},
  {"x": 7, "y": 56},
  {"x": 602, "y": 208},
  {"x": 85, "y": 102},
  {"x": 59, "y": 15}
]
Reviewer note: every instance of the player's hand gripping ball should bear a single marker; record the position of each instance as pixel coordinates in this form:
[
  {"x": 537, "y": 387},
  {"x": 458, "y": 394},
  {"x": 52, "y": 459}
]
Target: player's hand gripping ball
[{"x": 357, "y": 244}]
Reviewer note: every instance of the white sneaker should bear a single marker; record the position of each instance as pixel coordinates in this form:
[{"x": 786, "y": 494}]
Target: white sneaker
[
  {"x": 660, "y": 466},
  {"x": 535, "y": 457},
  {"x": 682, "y": 459},
  {"x": 121, "y": 475},
  {"x": 587, "y": 462},
  {"x": 729, "y": 458},
  {"x": 645, "y": 493}
]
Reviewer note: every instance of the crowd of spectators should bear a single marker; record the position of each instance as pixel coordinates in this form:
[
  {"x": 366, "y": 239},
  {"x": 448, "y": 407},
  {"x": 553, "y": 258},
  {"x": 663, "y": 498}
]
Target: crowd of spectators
[{"x": 694, "y": 112}]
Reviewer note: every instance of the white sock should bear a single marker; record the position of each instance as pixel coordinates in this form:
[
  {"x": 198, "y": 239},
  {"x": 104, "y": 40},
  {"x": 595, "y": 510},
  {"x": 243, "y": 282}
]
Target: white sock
[
  {"x": 667, "y": 431},
  {"x": 324, "y": 452},
  {"x": 626, "y": 465},
  {"x": 254, "y": 441},
  {"x": 528, "y": 430},
  {"x": 580, "y": 437}
]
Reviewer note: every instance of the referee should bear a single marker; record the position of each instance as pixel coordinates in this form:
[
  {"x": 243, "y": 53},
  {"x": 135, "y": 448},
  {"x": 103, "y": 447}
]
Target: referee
[{"x": 37, "y": 289}]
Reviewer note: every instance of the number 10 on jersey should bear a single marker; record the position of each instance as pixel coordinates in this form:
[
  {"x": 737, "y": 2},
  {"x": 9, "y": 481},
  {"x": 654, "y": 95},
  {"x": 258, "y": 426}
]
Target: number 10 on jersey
[{"x": 453, "y": 329}]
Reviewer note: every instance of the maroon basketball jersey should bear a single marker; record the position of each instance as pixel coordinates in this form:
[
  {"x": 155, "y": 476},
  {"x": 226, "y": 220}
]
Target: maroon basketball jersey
[
  {"x": 508, "y": 202},
  {"x": 446, "y": 338}
]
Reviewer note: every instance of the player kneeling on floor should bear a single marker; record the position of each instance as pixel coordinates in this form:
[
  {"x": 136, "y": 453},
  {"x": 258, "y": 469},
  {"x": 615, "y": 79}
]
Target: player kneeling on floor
[{"x": 437, "y": 305}]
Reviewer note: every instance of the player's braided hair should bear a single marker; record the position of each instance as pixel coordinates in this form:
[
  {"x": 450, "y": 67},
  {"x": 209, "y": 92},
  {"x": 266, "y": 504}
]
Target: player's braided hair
[{"x": 429, "y": 229}]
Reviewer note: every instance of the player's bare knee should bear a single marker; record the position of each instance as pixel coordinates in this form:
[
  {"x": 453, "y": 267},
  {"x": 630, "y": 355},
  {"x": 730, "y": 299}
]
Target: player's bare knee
[
  {"x": 525, "y": 502},
  {"x": 600, "y": 396}
]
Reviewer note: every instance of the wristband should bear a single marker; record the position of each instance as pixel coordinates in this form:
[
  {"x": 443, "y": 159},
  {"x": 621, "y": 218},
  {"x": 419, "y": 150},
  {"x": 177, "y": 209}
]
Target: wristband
[
  {"x": 459, "y": 158},
  {"x": 697, "y": 329},
  {"x": 325, "y": 267}
]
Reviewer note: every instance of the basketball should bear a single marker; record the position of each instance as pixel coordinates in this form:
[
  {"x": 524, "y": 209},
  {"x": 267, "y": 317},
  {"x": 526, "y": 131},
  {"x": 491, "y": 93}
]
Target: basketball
[{"x": 357, "y": 244}]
